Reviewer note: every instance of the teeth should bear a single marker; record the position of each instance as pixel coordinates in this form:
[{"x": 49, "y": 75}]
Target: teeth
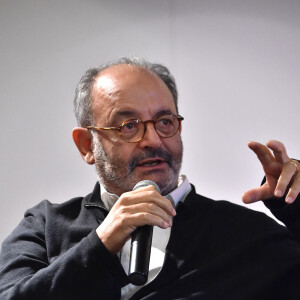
[{"x": 150, "y": 164}]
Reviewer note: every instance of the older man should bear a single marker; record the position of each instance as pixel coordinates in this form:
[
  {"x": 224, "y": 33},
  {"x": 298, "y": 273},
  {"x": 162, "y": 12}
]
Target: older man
[{"x": 202, "y": 249}]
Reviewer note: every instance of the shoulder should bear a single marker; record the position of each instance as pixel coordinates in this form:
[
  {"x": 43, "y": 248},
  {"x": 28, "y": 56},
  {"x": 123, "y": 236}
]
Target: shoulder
[
  {"x": 49, "y": 221},
  {"x": 70, "y": 208},
  {"x": 46, "y": 208},
  {"x": 47, "y": 213},
  {"x": 228, "y": 214},
  {"x": 37, "y": 218}
]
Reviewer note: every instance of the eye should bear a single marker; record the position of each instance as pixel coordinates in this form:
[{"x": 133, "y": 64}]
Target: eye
[
  {"x": 165, "y": 122},
  {"x": 129, "y": 126},
  {"x": 165, "y": 125}
]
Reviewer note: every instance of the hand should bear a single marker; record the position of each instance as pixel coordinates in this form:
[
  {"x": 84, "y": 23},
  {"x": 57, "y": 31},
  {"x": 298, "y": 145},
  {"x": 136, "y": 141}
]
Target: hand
[
  {"x": 281, "y": 173},
  {"x": 144, "y": 206}
]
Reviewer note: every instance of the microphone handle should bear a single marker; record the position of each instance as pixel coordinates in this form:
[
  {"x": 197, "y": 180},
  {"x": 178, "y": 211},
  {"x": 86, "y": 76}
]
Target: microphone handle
[{"x": 141, "y": 241}]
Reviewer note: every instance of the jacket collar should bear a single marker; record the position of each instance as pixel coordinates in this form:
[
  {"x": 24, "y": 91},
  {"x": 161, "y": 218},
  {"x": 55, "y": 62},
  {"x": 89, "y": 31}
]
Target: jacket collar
[{"x": 93, "y": 200}]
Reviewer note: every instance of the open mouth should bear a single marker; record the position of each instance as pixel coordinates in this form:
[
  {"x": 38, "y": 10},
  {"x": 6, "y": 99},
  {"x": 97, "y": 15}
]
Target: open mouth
[{"x": 151, "y": 162}]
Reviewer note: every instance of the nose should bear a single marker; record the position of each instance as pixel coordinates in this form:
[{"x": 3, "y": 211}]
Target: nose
[{"x": 151, "y": 138}]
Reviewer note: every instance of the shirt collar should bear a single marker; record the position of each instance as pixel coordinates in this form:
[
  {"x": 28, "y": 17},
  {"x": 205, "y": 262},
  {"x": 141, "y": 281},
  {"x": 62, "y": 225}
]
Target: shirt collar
[{"x": 177, "y": 195}]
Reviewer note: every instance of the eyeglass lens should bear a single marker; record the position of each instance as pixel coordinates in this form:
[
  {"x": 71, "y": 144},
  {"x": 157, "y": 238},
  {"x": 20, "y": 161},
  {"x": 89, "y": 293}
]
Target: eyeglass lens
[{"x": 165, "y": 126}]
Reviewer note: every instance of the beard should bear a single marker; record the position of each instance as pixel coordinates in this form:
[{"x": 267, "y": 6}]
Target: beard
[{"x": 118, "y": 176}]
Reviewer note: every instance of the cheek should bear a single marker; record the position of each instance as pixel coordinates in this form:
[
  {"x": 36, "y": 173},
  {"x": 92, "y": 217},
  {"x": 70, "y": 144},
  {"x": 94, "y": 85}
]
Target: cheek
[
  {"x": 173, "y": 145},
  {"x": 122, "y": 152}
]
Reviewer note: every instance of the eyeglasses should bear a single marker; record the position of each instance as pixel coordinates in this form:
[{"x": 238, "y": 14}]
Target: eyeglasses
[{"x": 133, "y": 130}]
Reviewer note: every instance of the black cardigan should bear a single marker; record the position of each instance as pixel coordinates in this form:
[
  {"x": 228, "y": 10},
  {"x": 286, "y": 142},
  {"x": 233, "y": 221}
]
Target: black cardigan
[{"x": 217, "y": 250}]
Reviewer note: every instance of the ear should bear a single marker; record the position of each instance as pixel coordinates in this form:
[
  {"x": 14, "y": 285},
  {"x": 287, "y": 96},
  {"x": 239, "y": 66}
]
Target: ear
[{"x": 83, "y": 140}]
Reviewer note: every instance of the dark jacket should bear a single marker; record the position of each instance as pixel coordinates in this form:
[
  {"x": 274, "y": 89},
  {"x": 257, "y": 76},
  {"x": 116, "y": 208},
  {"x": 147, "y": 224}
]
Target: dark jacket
[{"x": 217, "y": 250}]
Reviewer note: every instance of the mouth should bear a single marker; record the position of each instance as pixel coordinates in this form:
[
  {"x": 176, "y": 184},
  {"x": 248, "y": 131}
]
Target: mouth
[{"x": 151, "y": 162}]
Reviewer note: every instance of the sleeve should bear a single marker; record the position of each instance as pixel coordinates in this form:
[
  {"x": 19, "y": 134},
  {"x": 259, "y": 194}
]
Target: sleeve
[
  {"x": 85, "y": 271},
  {"x": 288, "y": 214}
]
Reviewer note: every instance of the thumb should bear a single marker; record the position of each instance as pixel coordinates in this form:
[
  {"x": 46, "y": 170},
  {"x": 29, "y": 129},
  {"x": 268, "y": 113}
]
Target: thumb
[{"x": 257, "y": 194}]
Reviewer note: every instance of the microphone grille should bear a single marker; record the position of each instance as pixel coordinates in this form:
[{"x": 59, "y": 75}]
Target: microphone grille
[{"x": 144, "y": 183}]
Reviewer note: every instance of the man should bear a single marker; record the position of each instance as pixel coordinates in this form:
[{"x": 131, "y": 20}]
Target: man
[{"x": 202, "y": 249}]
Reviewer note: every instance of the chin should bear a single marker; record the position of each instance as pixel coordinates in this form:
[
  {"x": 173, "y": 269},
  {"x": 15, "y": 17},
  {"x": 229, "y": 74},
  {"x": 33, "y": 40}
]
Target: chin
[{"x": 167, "y": 182}]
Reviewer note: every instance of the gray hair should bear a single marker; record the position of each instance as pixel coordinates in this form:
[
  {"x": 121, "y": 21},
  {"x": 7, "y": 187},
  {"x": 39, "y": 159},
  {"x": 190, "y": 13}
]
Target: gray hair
[{"x": 82, "y": 100}]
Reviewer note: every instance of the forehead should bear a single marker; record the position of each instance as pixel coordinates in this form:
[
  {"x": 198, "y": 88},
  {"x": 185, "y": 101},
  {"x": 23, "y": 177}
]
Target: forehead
[{"x": 129, "y": 90}]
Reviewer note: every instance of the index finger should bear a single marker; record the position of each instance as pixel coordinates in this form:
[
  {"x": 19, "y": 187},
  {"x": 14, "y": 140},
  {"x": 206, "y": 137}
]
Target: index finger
[
  {"x": 148, "y": 194},
  {"x": 263, "y": 152},
  {"x": 279, "y": 151}
]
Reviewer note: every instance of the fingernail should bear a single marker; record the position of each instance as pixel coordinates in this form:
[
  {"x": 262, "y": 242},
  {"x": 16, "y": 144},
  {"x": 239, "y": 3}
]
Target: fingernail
[
  {"x": 278, "y": 193},
  {"x": 289, "y": 200},
  {"x": 166, "y": 225}
]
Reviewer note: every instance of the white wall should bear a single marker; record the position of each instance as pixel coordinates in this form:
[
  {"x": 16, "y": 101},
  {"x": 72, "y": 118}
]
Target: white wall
[{"x": 237, "y": 68}]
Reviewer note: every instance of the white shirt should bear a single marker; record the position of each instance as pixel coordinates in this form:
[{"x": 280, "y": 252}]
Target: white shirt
[{"x": 160, "y": 236}]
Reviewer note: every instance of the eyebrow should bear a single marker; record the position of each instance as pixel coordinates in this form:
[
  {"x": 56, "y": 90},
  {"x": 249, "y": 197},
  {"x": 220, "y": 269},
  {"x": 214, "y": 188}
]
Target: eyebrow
[
  {"x": 125, "y": 114},
  {"x": 163, "y": 112},
  {"x": 122, "y": 115},
  {"x": 130, "y": 114}
]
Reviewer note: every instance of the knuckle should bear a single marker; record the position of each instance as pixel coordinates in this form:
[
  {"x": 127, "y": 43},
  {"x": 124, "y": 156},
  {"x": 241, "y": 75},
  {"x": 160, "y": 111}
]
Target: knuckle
[
  {"x": 151, "y": 206},
  {"x": 122, "y": 211},
  {"x": 124, "y": 197},
  {"x": 151, "y": 193},
  {"x": 151, "y": 187},
  {"x": 146, "y": 217}
]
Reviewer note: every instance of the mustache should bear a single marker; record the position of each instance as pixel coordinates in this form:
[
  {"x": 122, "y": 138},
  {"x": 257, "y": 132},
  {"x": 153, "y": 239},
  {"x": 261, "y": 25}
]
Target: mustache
[{"x": 150, "y": 153}]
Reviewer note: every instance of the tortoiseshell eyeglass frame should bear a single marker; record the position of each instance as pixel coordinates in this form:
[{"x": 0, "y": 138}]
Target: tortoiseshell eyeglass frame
[{"x": 119, "y": 128}]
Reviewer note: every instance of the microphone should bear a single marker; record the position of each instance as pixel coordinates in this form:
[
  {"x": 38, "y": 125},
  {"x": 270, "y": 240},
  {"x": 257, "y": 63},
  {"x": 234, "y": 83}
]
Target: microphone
[{"x": 141, "y": 240}]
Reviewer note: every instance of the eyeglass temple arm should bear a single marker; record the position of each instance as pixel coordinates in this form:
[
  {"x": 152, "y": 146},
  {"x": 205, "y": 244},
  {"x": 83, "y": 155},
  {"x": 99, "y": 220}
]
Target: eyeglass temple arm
[{"x": 103, "y": 128}]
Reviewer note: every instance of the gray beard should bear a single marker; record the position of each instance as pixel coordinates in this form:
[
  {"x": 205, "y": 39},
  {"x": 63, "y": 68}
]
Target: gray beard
[{"x": 112, "y": 173}]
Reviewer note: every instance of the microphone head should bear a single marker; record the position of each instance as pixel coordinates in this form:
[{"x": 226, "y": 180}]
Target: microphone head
[{"x": 145, "y": 183}]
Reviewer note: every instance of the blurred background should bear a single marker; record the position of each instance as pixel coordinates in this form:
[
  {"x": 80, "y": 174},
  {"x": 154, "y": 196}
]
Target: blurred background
[{"x": 236, "y": 64}]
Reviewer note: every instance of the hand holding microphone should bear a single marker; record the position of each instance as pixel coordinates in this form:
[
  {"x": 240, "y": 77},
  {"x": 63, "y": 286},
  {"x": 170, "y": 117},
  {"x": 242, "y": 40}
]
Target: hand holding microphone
[
  {"x": 141, "y": 241},
  {"x": 144, "y": 206}
]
